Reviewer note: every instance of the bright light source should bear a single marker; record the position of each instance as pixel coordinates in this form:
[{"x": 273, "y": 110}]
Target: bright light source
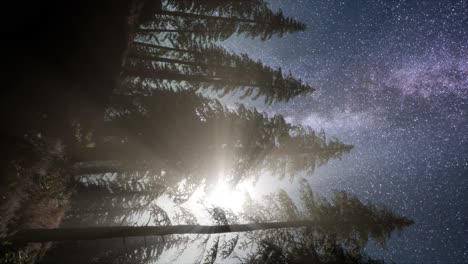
[{"x": 224, "y": 196}]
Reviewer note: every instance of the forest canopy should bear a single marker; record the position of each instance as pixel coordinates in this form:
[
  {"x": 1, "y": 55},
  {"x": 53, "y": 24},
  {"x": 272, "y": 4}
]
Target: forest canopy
[{"x": 115, "y": 178}]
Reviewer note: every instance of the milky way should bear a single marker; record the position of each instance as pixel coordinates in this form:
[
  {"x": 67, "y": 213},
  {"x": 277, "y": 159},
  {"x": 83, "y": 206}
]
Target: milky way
[{"x": 392, "y": 79}]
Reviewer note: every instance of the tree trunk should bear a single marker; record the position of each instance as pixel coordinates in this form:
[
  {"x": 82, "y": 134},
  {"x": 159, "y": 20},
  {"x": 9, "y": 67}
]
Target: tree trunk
[{"x": 94, "y": 233}]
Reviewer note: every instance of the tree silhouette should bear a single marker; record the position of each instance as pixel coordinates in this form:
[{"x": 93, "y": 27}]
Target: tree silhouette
[
  {"x": 205, "y": 140},
  {"x": 321, "y": 251},
  {"x": 326, "y": 231},
  {"x": 224, "y": 7},
  {"x": 93, "y": 233},
  {"x": 212, "y": 67},
  {"x": 328, "y": 242},
  {"x": 253, "y": 19}
]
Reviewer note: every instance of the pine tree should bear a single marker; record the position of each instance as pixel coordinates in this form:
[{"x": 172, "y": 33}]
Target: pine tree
[
  {"x": 344, "y": 226},
  {"x": 325, "y": 231},
  {"x": 222, "y": 7},
  {"x": 194, "y": 136},
  {"x": 212, "y": 67},
  {"x": 253, "y": 19},
  {"x": 325, "y": 251}
]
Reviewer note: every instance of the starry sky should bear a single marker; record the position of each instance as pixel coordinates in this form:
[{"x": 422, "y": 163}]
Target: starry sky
[{"x": 392, "y": 79}]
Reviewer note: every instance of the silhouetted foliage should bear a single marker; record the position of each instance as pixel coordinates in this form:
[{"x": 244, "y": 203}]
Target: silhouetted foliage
[
  {"x": 332, "y": 231},
  {"x": 342, "y": 230},
  {"x": 136, "y": 126},
  {"x": 237, "y": 143},
  {"x": 210, "y": 67},
  {"x": 218, "y": 21}
]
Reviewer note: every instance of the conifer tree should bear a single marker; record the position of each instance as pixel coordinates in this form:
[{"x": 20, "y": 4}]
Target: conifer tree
[
  {"x": 212, "y": 67},
  {"x": 253, "y": 19},
  {"x": 325, "y": 231},
  {"x": 222, "y": 7},
  {"x": 195, "y": 136},
  {"x": 344, "y": 228}
]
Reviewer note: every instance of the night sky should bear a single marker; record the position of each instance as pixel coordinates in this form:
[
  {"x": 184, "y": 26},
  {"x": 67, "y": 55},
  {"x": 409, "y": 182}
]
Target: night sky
[{"x": 393, "y": 80}]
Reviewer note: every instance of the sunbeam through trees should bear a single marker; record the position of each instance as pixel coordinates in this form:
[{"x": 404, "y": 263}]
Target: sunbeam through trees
[{"x": 133, "y": 134}]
